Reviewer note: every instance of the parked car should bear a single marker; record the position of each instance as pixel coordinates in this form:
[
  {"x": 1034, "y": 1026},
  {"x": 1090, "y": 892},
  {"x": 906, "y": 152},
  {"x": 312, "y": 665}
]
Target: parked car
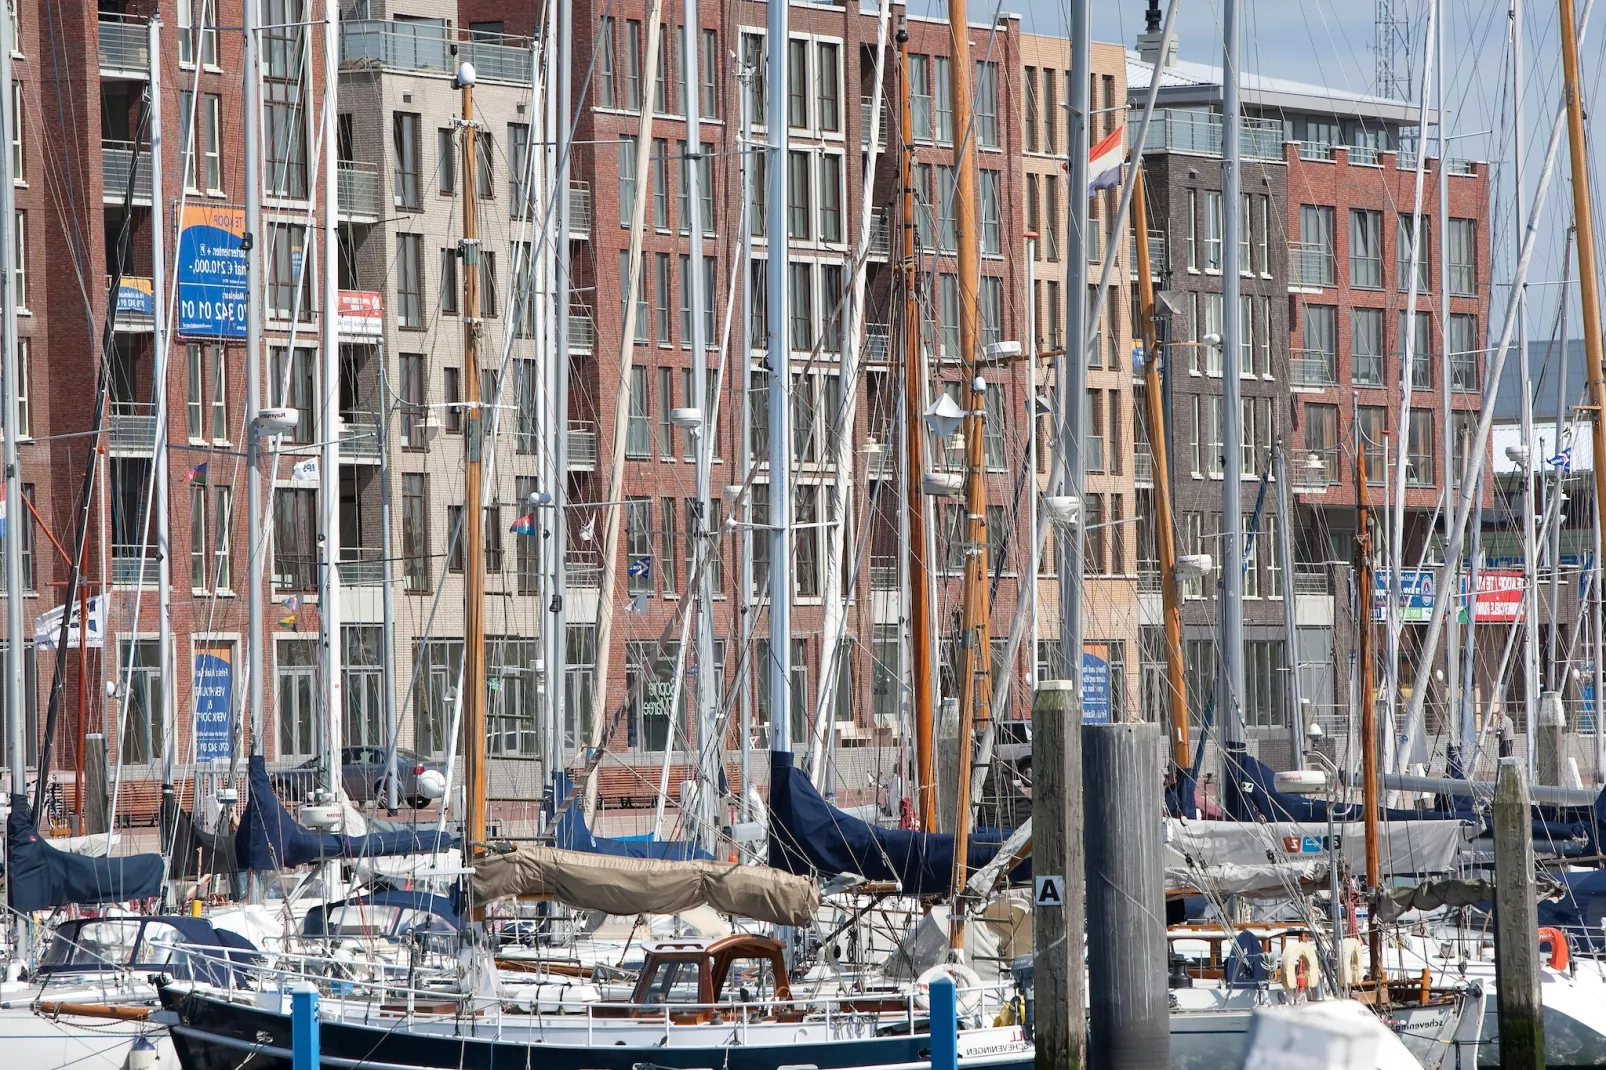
[{"x": 363, "y": 772}]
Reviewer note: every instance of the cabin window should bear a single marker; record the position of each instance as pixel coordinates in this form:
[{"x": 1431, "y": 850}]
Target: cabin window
[
  {"x": 748, "y": 980},
  {"x": 672, "y": 982}
]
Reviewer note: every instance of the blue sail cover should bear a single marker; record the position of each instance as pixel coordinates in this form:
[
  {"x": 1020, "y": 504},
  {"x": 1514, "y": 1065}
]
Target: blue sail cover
[
  {"x": 270, "y": 839},
  {"x": 571, "y": 834},
  {"x": 810, "y": 836},
  {"x": 39, "y": 877},
  {"x": 1259, "y": 790}
]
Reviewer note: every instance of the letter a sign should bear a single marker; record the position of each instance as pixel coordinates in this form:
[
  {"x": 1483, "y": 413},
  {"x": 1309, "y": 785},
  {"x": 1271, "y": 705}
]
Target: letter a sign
[{"x": 1048, "y": 892}]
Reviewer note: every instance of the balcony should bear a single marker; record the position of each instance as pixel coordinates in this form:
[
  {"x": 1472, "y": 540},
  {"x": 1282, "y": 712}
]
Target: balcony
[
  {"x": 132, "y": 428},
  {"x": 884, "y": 574},
  {"x": 879, "y": 461},
  {"x": 116, "y": 161},
  {"x": 1315, "y": 150},
  {"x": 1142, "y": 465},
  {"x": 1199, "y": 134},
  {"x": 580, "y": 211},
  {"x": 582, "y": 330},
  {"x": 359, "y": 438},
  {"x": 1311, "y": 580},
  {"x": 135, "y": 305},
  {"x": 582, "y": 446},
  {"x": 1310, "y": 264},
  {"x": 881, "y": 236},
  {"x": 360, "y": 568},
  {"x": 1311, "y": 367},
  {"x": 1158, "y": 260},
  {"x": 581, "y": 568},
  {"x": 357, "y": 186},
  {"x": 865, "y": 104},
  {"x": 428, "y": 49},
  {"x": 135, "y": 566},
  {"x": 124, "y": 47},
  {"x": 877, "y": 343}
]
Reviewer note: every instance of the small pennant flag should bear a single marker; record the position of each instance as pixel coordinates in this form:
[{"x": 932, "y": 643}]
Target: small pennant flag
[
  {"x": 292, "y": 604},
  {"x": 1563, "y": 460},
  {"x": 307, "y": 469},
  {"x": 1104, "y": 162},
  {"x": 524, "y": 525},
  {"x": 638, "y": 604},
  {"x": 641, "y": 568},
  {"x": 198, "y": 474},
  {"x": 589, "y": 531},
  {"x": 288, "y": 623}
]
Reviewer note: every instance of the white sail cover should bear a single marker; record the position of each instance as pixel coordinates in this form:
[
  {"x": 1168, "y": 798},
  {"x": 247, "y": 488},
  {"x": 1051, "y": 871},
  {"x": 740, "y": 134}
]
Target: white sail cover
[
  {"x": 1266, "y": 858},
  {"x": 627, "y": 886}
]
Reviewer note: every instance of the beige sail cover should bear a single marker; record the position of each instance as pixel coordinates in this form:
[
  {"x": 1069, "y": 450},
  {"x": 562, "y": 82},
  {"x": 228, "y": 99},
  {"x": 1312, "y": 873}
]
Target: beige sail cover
[{"x": 646, "y": 886}]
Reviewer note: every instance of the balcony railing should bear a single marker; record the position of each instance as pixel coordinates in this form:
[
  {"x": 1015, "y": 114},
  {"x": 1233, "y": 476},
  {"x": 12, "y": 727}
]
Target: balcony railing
[
  {"x": 582, "y": 568},
  {"x": 582, "y": 329},
  {"x": 116, "y": 160},
  {"x": 1148, "y": 577},
  {"x": 582, "y": 446},
  {"x": 580, "y": 210},
  {"x": 1314, "y": 470},
  {"x": 877, "y": 343},
  {"x": 1311, "y": 580},
  {"x": 1361, "y": 154},
  {"x": 358, "y": 191},
  {"x": 879, "y": 461},
  {"x": 883, "y": 574},
  {"x": 361, "y": 568},
  {"x": 130, "y": 567},
  {"x": 124, "y": 48},
  {"x": 1311, "y": 263},
  {"x": 1315, "y": 150},
  {"x": 1199, "y": 134},
  {"x": 881, "y": 236},
  {"x": 865, "y": 104},
  {"x": 359, "y": 437},
  {"x": 429, "y": 48},
  {"x": 1311, "y": 367},
  {"x": 1157, "y": 254},
  {"x": 132, "y": 428},
  {"x": 1142, "y": 464}
]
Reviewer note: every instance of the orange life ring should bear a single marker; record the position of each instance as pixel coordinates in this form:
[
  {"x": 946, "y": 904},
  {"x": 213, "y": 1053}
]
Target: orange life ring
[{"x": 1560, "y": 952}]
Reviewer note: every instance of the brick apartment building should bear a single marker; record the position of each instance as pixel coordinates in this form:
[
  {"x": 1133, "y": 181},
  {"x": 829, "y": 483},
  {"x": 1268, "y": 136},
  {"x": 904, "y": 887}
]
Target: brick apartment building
[{"x": 1323, "y": 294}]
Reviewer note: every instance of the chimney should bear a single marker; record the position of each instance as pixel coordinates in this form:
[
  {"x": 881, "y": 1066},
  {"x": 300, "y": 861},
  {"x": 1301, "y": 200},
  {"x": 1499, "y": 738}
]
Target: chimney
[{"x": 1149, "y": 39}]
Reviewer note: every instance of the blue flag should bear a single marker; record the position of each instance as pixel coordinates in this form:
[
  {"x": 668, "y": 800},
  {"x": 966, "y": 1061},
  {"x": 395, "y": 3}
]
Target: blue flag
[
  {"x": 642, "y": 566},
  {"x": 524, "y": 525}
]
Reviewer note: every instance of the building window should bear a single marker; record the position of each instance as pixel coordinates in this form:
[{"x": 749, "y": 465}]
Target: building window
[
  {"x": 1464, "y": 353},
  {"x": 1421, "y": 361},
  {"x": 1314, "y": 366},
  {"x": 362, "y": 677},
  {"x": 1315, "y": 248},
  {"x": 1419, "y": 448},
  {"x": 992, "y": 231},
  {"x": 295, "y": 539},
  {"x": 1366, "y": 248},
  {"x": 1424, "y": 274},
  {"x": 24, "y": 377},
  {"x": 709, "y": 66},
  {"x": 142, "y": 709},
  {"x": 1463, "y": 257},
  {"x": 1321, "y": 443},
  {"x": 632, "y": 58},
  {"x": 1366, "y": 346},
  {"x": 294, "y": 384},
  {"x": 1265, "y": 688},
  {"x": 987, "y": 105},
  {"x": 484, "y": 165},
  {"x": 207, "y": 401},
  {"x": 415, "y": 532},
  {"x": 19, "y": 264},
  {"x": 439, "y": 669},
  {"x": 510, "y": 697},
  {"x": 638, "y": 545},
  {"x": 1030, "y": 83},
  {"x": 659, "y": 162},
  {"x": 661, "y": 293},
  {"x": 828, "y": 99},
  {"x": 290, "y": 273},
  {"x": 413, "y": 413},
  {"x": 638, "y": 441},
  {"x": 284, "y": 97},
  {"x": 449, "y": 284},
  {"x": 669, "y": 559},
  {"x": 25, "y": 524},
  {"x": 992, "y": 309},
  {"x": 1370, "y": 423},
  {"x": 197, "y": 32},
  {"x": 1212, "y": 230},
  {"x": 580, "y": 641},
  {"x": 407, "y": 144},
  {"x": 942, "y": 69},
  {"x": 446, "y": 163},
  {"x": 454, "y": 538},
  {"x": 18, "y": 119},
  {"x": 210, "y": 511},
  {"x": 410, "y": 281}
]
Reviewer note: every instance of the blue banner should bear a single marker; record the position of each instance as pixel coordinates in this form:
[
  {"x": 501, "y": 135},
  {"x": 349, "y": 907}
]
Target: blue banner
[
  {"x": 1416, "y": 594},
  {"x": 135, "y": 297},
  {"x": 214, "y": 701},
  {"x": 211, "y": 272},
  {"x": 1095, "y": 687}
]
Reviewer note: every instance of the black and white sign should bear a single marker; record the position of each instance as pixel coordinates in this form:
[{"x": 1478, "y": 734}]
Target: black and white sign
[{"x": 1048, "y": 892}]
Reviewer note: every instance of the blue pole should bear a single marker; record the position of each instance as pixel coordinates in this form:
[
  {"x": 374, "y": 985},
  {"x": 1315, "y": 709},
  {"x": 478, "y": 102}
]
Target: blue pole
[
  {"x": 944, "y": 1026},
  {"x": 304, "y": 1026}
]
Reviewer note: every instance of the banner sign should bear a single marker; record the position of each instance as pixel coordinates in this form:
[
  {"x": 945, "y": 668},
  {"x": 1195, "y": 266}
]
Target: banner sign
[
  {"x": 214, "y": 701},
  {"x": 1095, "y": 683},
  {"x": 47, "y": 626},
  {"x": 1499, "y": 596},
  {"x": 1416, "y": 595},
  {"x": 211, "y": 272},
  {"x": 135, "y": 297},
  {"x": 362, "y": 314}
]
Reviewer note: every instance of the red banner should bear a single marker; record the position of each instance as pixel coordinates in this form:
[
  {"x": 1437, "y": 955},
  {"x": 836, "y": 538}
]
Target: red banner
[{"x": 1499, "y": 596}]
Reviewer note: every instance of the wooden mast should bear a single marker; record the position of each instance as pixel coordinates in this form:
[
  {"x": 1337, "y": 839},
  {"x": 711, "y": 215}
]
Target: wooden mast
[
  {"x": 1584, "y": 224},
  {"x": 1164, "y": 535},
  {"x": 1368, "y": 696},
  {"x": 975, "y": 640},
  {"x": 914, "y": 502},
  {"x": 473, "y": 545}
]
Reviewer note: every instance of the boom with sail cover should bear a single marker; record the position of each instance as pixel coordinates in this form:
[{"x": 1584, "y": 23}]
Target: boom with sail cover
[
  {"x": 39, "y": 877},
  {"x": 809, "y": 835},
  {"x": 270, "y": 839},
  {"x": 571, "y": 833}
]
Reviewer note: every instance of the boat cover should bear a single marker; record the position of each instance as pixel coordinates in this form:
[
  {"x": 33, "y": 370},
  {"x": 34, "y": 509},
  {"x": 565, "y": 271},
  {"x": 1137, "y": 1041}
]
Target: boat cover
[
  {"x": 270, "y": 839},
  {"x": 39, "y": 877},
  {"x": 1259, "y": 790},
  {"x": 1431, "y": 895},
  {"x": 1579, "y": 909},
  {"x": 571, "y": 833},
  {"x": 627, "y": 886},
  {"x": 1268, "y": 857},
  {"x": 809, "y": 835},
  {"x": 196, "y": 852}
]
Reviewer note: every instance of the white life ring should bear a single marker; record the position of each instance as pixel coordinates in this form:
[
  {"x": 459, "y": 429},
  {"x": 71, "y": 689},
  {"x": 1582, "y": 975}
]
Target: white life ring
[
  {"x": 967, "y": 983},
  {"x": 1295, "y": 955},
  {"x": 1351, "y": 962}
]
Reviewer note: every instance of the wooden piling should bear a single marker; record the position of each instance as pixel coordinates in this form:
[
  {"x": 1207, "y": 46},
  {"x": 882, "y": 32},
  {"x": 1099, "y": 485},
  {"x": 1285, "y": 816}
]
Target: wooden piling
[
  {"x": 97, "y": 806},
  {"x": 1128, "y": 1020},
  {"x": 1059, "y": 980},
  {"x": 1516, "y": 941}
]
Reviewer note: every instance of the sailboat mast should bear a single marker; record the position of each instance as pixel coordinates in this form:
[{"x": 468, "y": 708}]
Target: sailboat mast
[
  {"x": 1452, "y": 640},
  {"x": 1368, "y": 695},
  {"x": 778, "y": 322},
  {"x": 329, "y": 463},
  {"x": 256, "y": 549},
  {"x": 473, "y": 536},
  {"x": 159, "y": 488},
  {"x": 1229, "y": 704},
  {"x": 1165, "y": 538},
  {"x": 914, "y": 501},
  {"x": 558, "y": 620},
  {"x": 745, "y": 75},
  {"x": 17, "y": 726},
  {"x": 1530, "y": 559}
]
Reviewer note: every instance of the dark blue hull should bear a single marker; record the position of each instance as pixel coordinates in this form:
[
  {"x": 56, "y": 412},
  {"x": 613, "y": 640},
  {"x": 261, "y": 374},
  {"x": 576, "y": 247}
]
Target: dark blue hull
[{"x": 212, "y": 1034}]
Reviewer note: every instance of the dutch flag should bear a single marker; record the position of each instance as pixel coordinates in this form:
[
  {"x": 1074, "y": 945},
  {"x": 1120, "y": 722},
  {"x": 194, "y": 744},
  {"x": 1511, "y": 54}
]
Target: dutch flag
[{"x": 1104, "y": 162}]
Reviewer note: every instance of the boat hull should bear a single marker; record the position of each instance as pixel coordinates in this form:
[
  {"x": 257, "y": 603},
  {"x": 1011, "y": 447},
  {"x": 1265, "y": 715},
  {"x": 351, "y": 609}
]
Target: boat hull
[{"x": 29, "y": 1040}]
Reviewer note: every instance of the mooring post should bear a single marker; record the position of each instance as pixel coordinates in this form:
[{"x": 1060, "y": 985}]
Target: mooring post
[
  {"x": 1129, "y": 1018},
  {"x": 304, "y": 1027},
  {"x": 1516, "y": 937},
  {"x": 944, "y": 1025},
  {"x": 1059, "y": 907}
]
